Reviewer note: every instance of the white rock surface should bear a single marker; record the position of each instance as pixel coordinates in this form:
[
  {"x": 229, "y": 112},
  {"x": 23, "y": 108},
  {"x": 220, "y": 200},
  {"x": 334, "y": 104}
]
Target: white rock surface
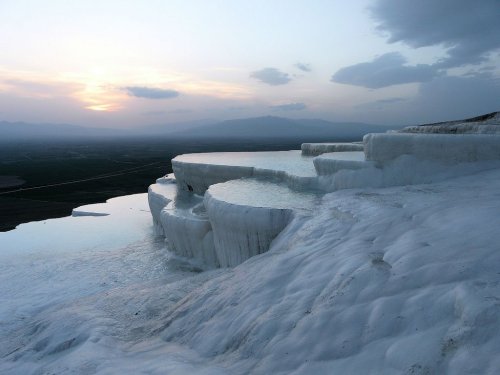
[
  {"x": 188, "y": 230},
  {"x": 233, "y": 229},
  {"x": 76, "y": 295},
  {"x": 243, "y": 216},
  {"x": 390, "y": 281},
  {"x": 83, "y": 212},
  {"x": 404, "y": 170},
  {"x": 242, "y": 232},
  {"x": 401, "y": 280},
  {"x": 159, "y": 196},
  {"x": 315, "y": 149},
  {"x": 238, "y": 219},
  {"x": 331, "y": 163},
  {"x": 445, "y": 148},
  {"x": 247, "y": 215},
  {"x": 196, "y": 172}
]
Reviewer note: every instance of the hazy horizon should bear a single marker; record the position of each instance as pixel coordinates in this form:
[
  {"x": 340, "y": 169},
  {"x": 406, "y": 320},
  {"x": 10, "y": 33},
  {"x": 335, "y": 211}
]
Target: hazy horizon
[{"x": 126, "y": 64}]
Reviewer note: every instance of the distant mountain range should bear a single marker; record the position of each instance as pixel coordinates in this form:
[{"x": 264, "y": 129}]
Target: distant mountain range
[
  {"x": 250, "y": 128},
  {"x": 279, "y": 127}
]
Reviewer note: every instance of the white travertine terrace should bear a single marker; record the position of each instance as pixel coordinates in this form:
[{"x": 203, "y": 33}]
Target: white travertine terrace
[
  {"x": 188, "y": 230},
  {"x": 159, "y": 196},
  {"x": 445, "y": 148},
  {"x": 315, "y": 149},
  {"x": 223, "y": 208},
  {"x": 196, "y": 172},
  {"x": 246, "y": 215},
  {"x": 330, "y": 163}
]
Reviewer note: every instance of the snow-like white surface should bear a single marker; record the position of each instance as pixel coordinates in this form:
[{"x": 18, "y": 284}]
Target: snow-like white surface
[
  {"x": 181, "y": 218},
  {"x": 445, "y": 148},
  {"x": 401, "y": 280},
  {"x": 331, "y": 163},
  {"x": 159, "y": 196},
  {"x": 315, "y": 149},
  {"x": 236, "y": 220},
  {"x": 247, "y": 215},
  {"x": 82, "y": 212},
  {"x": 404, "y": 170},
  {"x": 197, "y": 172},
  {"x": 77, "y": 293},
  {"x": 188, "y": 230},
  {"x": 242, "y": 216}
]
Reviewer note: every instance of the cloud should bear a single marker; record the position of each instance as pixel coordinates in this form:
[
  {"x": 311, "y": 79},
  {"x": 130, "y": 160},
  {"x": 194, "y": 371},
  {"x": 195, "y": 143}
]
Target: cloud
[
  {"x": 290, "y": 107},
  {"x": 382, "y": 104},
  {"x": 150, "y": 92},
  {"x": 303, "y": 67},
  {"x": 271, "y": 76},
  {"x": 468, "y": 29},
  {"x": 383, "y": 71}
]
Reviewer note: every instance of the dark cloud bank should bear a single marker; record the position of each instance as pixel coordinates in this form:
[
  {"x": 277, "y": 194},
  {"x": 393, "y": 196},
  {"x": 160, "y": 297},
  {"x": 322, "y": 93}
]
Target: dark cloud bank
[
  {"x": 469, "y": 32},
  {"x": 386, "y": 70},
  {"x": 468, "y": 29}
]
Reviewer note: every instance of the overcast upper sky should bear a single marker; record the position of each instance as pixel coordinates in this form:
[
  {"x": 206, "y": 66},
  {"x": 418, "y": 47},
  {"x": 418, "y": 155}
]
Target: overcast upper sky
[{"x": 123, "y": 63}]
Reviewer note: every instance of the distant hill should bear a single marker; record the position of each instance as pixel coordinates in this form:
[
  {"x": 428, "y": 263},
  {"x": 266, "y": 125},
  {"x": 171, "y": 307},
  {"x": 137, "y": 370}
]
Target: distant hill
[
  {"x": 159, "y": 129},
  {"x": 279, "y": 127},
  {"x": 241, "y": 129}
]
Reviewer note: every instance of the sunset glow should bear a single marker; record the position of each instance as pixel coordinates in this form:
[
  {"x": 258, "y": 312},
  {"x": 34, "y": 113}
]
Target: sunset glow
[{"x": 193, "y": 60}]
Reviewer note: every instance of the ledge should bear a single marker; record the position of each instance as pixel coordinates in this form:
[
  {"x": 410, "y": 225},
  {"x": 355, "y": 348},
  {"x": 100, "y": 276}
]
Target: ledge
[
  {"x": 446, "y": 148},
  {"x": 247, "y": 215},
  {"x": 196, "y": 172},
  {"x": 315, "y": 149}
]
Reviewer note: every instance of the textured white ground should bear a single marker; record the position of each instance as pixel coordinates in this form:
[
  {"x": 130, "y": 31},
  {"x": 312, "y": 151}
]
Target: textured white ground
[
  {"x": 81, "y": 295},
  {"x": 401, "y": 280}
]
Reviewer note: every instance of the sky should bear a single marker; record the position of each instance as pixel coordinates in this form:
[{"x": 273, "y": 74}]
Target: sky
[{"x": 132, "y": 63}]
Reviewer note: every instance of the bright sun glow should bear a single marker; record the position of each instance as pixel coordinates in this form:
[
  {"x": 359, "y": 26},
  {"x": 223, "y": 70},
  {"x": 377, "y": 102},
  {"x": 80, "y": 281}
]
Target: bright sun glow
[
  {"x": 100, "y": 90},
  {"x": 101, "y": 107}
]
